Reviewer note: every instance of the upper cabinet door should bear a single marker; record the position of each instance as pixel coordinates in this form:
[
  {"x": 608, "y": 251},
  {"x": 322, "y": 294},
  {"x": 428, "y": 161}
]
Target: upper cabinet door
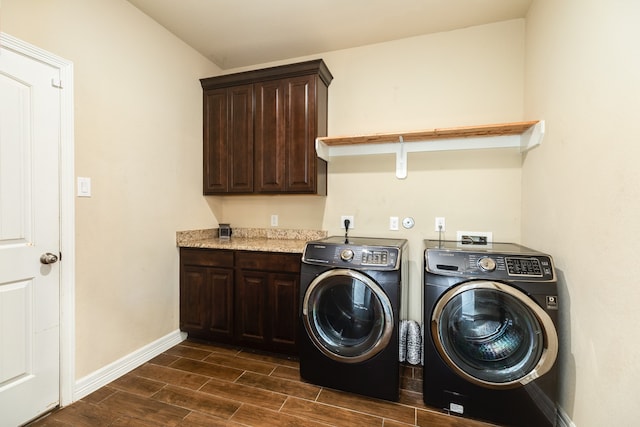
[
  {"x": 269, "y": 137},
  {"x": 240, "y": 139},
  {"x": 286, "y": 126},
  {"x": 215, "y": 157},
  {"x": 228, "y": 140},
  {"x": 301, "y": 131}
]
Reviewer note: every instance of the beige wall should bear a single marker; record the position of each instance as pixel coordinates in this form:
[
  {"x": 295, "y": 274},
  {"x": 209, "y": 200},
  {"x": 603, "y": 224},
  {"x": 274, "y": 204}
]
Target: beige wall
[
  {"x": 581, "y": 195},
  {"x": 138, "y": 119},
  {"x": 138, "y": 136},
  {"x": 466, "y": 77}
]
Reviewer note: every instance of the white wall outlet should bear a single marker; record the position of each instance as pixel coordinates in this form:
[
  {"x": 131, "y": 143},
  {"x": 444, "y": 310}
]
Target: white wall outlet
[
  {"x": 352, "y": 223},
  {"x": 440, "y": 224},
  {"x": 474, "y": 237},
  {"x": 394, "y": 223},
  {"x": 274, "y": 220}
]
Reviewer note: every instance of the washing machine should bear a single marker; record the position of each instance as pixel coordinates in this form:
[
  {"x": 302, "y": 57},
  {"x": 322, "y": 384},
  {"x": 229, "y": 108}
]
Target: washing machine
[
  {"x": 350, "y": 307},
  {"x": 491, "y": 340}
]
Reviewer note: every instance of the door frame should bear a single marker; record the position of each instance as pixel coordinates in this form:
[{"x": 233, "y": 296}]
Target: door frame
[{"x": 67, "y": 207}]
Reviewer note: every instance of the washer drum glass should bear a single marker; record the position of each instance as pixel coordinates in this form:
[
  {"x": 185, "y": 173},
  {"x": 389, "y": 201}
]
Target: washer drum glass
[
  {"x": 493, "y": 337},
  {"x": 347, "y": 315}
]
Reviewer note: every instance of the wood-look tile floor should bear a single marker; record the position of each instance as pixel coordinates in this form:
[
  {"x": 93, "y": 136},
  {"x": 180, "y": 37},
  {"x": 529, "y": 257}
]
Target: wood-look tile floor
[{"x": 195, "y": 384}]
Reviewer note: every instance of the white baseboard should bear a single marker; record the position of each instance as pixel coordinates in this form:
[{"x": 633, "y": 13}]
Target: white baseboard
[
  {"x": 563, "y": 418},
  {"x": 103, "y": 376}
]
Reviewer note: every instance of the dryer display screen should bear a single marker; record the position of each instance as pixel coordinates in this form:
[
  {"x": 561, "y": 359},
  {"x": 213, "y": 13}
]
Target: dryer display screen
[{"x": 529, "y": 267}]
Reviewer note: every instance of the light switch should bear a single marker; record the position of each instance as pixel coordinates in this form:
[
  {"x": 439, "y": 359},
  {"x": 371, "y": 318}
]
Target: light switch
[{"x": 84, "y": 187}]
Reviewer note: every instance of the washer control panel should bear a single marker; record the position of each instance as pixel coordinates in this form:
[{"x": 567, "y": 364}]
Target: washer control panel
[
  {"x": 524, "y": 266},
  {"x": 345, "y": 255},
  {"x": 530, "y": 267}
]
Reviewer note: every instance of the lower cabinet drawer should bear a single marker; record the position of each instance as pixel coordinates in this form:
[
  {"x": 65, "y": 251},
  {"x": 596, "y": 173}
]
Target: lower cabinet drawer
[
  {"x": 206, "y": 257},
  {"x": 268, "y": 261}
]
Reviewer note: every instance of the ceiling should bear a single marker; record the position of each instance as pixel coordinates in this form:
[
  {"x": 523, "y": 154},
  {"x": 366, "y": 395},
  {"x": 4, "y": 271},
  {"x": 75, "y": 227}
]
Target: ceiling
[{"x": 239, "y": 33}]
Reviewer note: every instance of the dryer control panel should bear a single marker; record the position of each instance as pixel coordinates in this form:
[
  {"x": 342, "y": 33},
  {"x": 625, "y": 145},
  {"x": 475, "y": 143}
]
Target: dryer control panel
[
  {"x": 371, "y": 257},
  {"x": 488, "y": 265}
]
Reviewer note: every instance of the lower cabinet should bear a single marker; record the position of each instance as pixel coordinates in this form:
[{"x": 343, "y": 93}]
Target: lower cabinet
[
  {"x": 266, "y": 301},
  {"x": 240, "y": 297},
  {"x": 206, "y": 294}
]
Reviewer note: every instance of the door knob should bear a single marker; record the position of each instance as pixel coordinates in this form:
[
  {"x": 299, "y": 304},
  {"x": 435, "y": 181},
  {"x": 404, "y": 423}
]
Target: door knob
[{"x": 48, "y": 258}]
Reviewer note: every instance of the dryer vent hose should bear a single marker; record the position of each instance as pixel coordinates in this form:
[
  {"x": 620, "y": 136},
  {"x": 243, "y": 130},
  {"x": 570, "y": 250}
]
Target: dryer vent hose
[{"x": 410, "y": 342}]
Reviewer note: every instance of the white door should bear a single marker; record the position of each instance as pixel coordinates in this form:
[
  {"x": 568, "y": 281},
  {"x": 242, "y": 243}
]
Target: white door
[{"x": 29, "y": 229}]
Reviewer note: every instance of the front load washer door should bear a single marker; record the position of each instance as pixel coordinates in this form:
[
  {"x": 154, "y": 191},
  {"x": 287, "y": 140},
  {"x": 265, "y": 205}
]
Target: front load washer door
[
  {"x": 493, "y": 335},
  {"x": 347, "y": 315}
]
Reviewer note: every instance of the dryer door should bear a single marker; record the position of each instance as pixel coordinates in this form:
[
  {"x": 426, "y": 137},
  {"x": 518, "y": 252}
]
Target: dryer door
[
  {"x": 347, "y": 315},
  {"x": 493, "y": 335}
]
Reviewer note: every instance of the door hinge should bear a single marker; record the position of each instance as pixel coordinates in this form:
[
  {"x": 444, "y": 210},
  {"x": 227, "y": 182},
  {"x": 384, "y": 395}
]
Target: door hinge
[
  {"x": 56, "y": 83},
  {"x": 60, "y": 257}
]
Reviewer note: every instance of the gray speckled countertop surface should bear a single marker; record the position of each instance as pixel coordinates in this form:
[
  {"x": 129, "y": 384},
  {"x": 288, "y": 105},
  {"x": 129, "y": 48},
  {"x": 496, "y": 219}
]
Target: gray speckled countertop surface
[{"x": 250, "y": 239}]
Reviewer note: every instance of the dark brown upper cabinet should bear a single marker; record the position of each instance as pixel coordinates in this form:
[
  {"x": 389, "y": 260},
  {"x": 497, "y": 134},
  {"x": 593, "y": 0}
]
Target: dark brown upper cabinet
[{"x": 260, "y": 129}]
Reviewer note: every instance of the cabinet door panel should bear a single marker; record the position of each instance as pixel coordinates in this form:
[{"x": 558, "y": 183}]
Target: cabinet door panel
[
  {"x": 269, "y": 137},
  {"x": 193, "y": 300},
  {"x": 300, "y": 134},
  {"x": 240, "y": 138},
  {"x": 283, "y": 303},
  {"x": 220, "y": 312},
  {"x": 215, "y": 142},
  {"x": 250, "y": 306}
]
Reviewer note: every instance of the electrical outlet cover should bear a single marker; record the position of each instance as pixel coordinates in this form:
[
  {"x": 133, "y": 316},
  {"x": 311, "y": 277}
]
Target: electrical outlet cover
[
  {"x": 393, "y": 223},
  {"x": 474, "y": 236}
]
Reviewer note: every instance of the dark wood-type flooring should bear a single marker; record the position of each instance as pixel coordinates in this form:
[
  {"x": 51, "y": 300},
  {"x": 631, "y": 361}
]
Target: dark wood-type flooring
[{"x": 195, "y": 384}]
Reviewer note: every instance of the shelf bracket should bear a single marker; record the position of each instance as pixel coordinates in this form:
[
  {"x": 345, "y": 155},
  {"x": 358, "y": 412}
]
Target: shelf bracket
[
  {"x": 532, "y": 136},
  {"x": 401, "y": 160},
  {"x": 322, "y": 150}
]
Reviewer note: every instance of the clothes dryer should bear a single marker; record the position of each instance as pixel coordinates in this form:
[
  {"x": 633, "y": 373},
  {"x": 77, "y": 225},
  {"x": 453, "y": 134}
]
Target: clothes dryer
[
  {"x": 491, "y": 341},
  {"x": 350, "y": 309}
]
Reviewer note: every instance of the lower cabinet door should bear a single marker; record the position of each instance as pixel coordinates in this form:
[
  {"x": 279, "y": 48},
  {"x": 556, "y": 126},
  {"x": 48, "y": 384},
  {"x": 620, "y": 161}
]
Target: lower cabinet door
[
  {"x": 266, "y": 309},
  {"x": 220, "y": 297},
  {"x": 250, "y": 306},
  {"x": 283, "y": 319},
  {"x": 206, "y": 303},
  {"x": 193, "y": 304}
]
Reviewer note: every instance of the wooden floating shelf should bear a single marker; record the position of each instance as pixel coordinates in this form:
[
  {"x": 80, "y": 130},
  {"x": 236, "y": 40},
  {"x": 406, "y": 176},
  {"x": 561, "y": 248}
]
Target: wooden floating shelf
[
  {"x": 522, "y": 135},
  {"x": 431, "y": 134}
]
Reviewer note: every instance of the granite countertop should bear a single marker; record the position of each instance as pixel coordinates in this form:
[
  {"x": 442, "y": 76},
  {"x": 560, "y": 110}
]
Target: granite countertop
[{"x": 250, "y": 239}]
